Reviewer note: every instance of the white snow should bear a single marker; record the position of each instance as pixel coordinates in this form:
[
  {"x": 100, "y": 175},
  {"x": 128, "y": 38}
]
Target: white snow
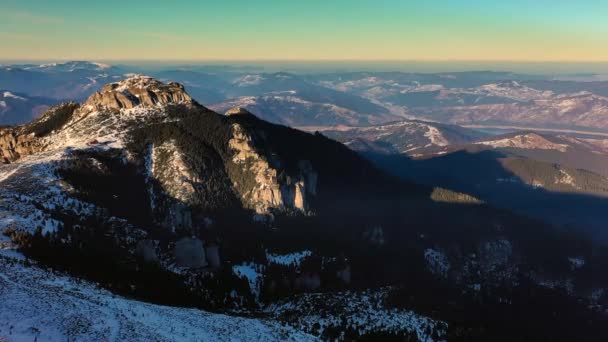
[
  {"x": 8, "y": 94},
  {"x": 288, "y": 259},
  {"x": 38, "y": 304},
  {"x": 437, "y": 262},
  {"x": 248, "y": 80},
  {"x": 365, "y": 311},
  {"x": 435, "y": 136},
  {"x": 566, "y": 179},
  {"x": 253, "y": 273},
  {"x": 576, "y": 262}
]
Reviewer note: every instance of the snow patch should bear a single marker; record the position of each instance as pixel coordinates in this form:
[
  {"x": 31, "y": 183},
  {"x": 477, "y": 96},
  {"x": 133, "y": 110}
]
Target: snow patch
[
  {"x": 437, "y": 262},
  {"x": 288, "y": 259},
  {"x": 253, "y": 273},
  {"x": 8, "y": 94}
]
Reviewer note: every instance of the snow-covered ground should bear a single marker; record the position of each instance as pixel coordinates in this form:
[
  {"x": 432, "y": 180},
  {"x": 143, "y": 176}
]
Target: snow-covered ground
[
  {"x": 294, "y": 258},
  {"x": 253, "y": 273},
  {"x": 36, "y": 304},
  {"x": 365, "y": 312},
  {"x": 8, "y": 94}
]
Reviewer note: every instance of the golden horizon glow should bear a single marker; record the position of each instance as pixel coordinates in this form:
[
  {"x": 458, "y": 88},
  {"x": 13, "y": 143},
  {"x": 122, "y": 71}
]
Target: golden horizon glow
[{"x": 272, "y": 30}]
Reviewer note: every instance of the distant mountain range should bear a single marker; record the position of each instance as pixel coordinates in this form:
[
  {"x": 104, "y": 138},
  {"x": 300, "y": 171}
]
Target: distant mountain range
[{"x": 347, "y": 98}]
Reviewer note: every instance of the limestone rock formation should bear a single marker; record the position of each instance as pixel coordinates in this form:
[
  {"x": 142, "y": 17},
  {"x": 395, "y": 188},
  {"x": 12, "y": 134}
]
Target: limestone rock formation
[
  {"x": 238, "y": 111},
  {"x": 272, "y": 189},
  {"x": 190, "y": 253},
  {"x": 14, "y": 146},
  {"x": 136, "y": 91}
]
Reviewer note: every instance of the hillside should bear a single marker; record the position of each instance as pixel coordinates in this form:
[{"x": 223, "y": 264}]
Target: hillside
[{"x": 555, "y": 178}]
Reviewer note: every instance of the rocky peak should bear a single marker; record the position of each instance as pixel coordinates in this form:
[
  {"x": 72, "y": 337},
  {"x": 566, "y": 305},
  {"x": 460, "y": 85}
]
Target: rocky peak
[
  {"x": 138, "y": 90},
  {"x": 238, "y": 111},
  {"x": 527, "y": 140}
]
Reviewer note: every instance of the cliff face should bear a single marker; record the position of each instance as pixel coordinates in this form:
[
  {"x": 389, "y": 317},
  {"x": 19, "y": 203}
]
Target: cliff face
[
  {"x": 14, "y": 146},
  {"x": 272, "y": 188}
]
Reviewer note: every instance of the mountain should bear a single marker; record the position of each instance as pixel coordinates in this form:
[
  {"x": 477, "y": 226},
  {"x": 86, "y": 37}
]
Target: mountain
[
  {"x": 480, "y": 98},
  {"x": 71, "y": 66},
  {"x": 151, "y": 195},
  {"x": 58, "y": 81},
  {"x": 19, "y": 108},
  {"x": 401, "y": 137},
  {"x": 567, "y": 110},
  {"x": 483, "y": 98},
  {"x": 556, "y": 178},
  {"x": 577, "y": 152},
  {"x": 289, "y": 99},
  {"x": 289, "y": 109}
]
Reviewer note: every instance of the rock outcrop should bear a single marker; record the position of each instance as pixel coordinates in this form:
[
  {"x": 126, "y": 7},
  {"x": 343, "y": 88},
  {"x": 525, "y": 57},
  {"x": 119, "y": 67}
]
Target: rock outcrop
[
  {"x": 190, "y": 253},
  {"x": 272, "y": 188},
  {"x": 14, "y": 146},
  {"x": 238, "y": 111},
  {"x": 136, "y": 91}
]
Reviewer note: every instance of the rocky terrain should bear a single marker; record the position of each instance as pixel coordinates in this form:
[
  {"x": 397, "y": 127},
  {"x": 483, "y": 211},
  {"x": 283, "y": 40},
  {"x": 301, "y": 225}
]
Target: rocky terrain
[{"x": 151, "y": 195}]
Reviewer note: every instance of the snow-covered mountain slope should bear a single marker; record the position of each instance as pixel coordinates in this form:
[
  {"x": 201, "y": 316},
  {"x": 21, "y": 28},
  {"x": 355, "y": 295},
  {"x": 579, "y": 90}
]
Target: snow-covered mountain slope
[
  {"x": 566, "y": 110},
  {"x": 69, "y": 66},
  {"x": 481, "y": 97},
  {"x": 289, "y": 109},
  {"x": 141, "y": 157},
  {"x": 42, "y": 305},
  {"x": 400, "y": 137},
  {"x": 323, "y": 314},
  {"x": 410, "y": 92},
  {"x": 290, "y": 99}
]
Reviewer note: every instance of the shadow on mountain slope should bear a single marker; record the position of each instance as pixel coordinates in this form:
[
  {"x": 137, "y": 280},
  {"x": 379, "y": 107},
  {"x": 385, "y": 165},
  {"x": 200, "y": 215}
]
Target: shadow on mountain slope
[{"x": 484, "y": 175}]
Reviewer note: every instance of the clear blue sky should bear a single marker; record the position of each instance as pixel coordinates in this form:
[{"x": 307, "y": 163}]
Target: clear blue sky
[{"x": 558, "y": 30}]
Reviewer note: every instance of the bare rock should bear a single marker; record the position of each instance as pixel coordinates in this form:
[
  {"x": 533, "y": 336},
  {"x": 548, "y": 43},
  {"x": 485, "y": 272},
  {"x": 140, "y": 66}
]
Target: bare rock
[
  {"x": 138, "y": 91},
  {"x": 14, "y": 146},
  {"x": 190, "y": 253},
  {"x": 238, "y": 111}
]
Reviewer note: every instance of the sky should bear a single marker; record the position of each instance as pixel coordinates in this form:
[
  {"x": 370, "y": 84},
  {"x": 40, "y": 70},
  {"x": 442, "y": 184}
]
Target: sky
[{"x": 429, "y": 30}]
